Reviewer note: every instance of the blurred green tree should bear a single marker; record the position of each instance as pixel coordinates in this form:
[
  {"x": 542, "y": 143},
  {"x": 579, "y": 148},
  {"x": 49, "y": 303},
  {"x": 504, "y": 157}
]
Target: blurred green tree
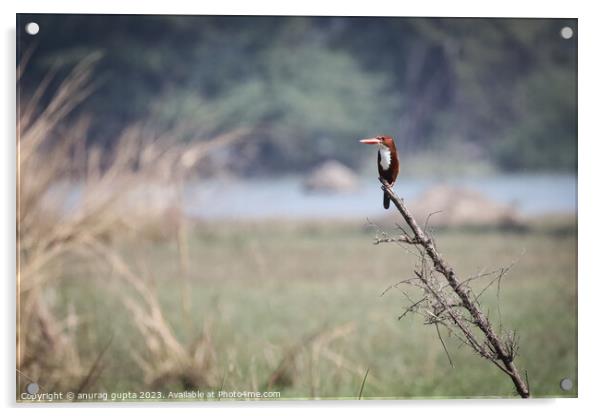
[
  {"x": 305, "y": 102},
  {"x": 307, "y": 87}
]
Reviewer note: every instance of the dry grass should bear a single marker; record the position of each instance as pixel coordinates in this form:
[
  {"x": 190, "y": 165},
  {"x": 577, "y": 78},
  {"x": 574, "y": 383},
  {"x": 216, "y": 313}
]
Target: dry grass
[{"x": 118, "y": 198}]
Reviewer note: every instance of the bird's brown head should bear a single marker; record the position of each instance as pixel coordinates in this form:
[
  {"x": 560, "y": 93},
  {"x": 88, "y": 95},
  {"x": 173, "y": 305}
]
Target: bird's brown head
[{"x": 382, "y": 140}]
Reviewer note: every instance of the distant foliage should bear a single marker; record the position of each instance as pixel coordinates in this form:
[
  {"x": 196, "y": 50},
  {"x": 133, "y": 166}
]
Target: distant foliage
[{"x": 305, "y": 88}]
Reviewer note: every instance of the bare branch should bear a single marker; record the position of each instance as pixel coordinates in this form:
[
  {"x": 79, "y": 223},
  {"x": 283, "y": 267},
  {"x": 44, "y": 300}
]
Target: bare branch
[
  {"x": 451, "y": 363},
  {"x": 396, "y": 285},
  {"x": 450, "y": 302},
  {"x": 400, "y": 239},
  {"x": 411, "y": 308},
  {"x": 428, "y": 218}
]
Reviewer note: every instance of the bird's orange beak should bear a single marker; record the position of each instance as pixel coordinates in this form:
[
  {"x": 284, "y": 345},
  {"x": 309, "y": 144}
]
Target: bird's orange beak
[{"x": 373, "y": 140}]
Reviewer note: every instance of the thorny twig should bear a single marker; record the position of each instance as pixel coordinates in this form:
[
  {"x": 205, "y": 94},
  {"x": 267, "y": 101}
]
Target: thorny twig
[
  {"x": 400, "y": 239},
  {"x": 385, "y": 235},
  {"x": 449, "y": 302},
  {"x": 444, "y": 347}
]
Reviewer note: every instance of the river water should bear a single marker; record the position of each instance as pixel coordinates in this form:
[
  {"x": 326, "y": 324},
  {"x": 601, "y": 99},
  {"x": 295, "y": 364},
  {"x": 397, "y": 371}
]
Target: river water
[{"x": 285, "y": 198}]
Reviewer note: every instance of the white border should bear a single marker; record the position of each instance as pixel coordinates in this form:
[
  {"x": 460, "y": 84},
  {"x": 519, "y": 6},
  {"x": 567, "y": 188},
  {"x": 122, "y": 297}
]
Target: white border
[
  {"x": 508, "y": 8},
  {"x": 590, "y": 207}
]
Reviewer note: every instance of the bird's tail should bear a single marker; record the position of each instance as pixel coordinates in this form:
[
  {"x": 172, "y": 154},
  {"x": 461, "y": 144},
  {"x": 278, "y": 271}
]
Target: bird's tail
[{"x": 386, "y": 200}]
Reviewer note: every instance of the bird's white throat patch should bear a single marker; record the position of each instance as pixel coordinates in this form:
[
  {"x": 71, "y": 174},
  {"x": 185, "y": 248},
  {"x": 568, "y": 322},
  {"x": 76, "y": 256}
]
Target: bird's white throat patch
[{"x": 385, "y": 157}]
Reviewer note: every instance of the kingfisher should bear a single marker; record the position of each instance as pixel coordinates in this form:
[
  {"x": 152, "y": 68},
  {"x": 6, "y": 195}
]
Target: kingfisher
[{"x": 388, "y": 163}]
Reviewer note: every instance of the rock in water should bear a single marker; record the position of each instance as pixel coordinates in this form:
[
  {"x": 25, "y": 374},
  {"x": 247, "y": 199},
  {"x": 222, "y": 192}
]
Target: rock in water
[
  {"x": 462, "y": 207},
  {"x": 331, "y": 176}
]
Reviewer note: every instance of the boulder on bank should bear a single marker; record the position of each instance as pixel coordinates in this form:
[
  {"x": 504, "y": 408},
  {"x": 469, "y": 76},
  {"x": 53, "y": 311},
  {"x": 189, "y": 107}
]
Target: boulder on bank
[
  {"x": 331, "y": 176},
  {"x": 462, "y": 207}
]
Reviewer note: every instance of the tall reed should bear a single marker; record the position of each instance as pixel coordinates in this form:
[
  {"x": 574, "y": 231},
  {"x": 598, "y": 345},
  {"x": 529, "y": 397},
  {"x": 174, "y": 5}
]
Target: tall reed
[{"x": 74, "y": 200}]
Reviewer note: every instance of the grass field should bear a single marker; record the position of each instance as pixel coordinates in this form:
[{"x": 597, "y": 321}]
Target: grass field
[{"x": 297, "y": 308}]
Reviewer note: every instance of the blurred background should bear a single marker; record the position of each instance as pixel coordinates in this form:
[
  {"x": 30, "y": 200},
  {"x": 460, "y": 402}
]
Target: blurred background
[{"x": 201, "y": 175}]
